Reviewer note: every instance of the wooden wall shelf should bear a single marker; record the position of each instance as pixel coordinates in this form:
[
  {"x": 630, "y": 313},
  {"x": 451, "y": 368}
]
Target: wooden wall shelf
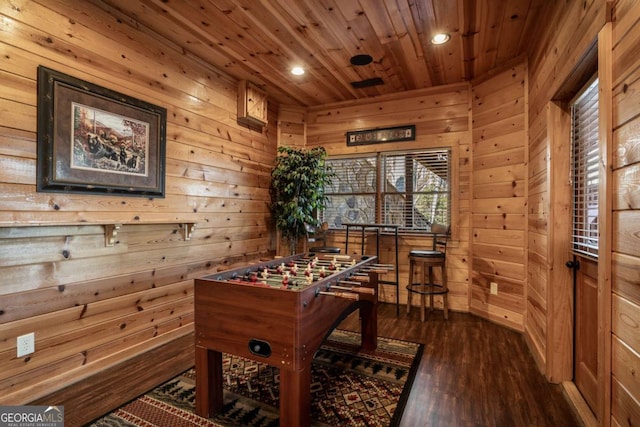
[{"x": 111, "y": 229}]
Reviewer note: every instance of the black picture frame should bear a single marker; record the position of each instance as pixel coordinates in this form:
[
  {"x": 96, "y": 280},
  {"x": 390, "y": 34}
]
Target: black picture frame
[
  {"x": 93, "y": 140},
  {"x": 381, "y": 135}
]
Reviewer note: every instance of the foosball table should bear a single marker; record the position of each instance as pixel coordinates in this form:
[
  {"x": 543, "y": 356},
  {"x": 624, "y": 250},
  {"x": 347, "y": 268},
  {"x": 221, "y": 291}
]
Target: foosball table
[{"x": 279, "y": 312}]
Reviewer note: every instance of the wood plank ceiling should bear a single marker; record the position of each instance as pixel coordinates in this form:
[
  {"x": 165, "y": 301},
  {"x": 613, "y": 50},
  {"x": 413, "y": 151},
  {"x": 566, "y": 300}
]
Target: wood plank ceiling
[{"x": 260, "y": 40}]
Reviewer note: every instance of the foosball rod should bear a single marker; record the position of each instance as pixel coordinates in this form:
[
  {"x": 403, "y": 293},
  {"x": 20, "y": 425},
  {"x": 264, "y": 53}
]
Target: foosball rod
[
  {"x": 378, "y": 268},
  {"x": 325, "y": 260},
  {"x": 331, "y": 256},
  {"x": 301, "y": 266},
  {"x": 360, "y": 278},
  {"x": 345, "y": 295},
  {"x": 360, "y": 290},
  {"x": 319, "y": 263},
  {"x": 350, "y": 282}
]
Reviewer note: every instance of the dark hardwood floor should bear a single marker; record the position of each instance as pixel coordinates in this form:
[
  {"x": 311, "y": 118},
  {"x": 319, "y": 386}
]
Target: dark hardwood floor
[{"x": 473, "y": 373}]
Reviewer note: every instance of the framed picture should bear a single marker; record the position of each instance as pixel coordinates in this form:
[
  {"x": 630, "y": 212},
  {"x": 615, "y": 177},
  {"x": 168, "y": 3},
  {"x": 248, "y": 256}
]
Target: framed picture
[{"x": 93, "y": 140}]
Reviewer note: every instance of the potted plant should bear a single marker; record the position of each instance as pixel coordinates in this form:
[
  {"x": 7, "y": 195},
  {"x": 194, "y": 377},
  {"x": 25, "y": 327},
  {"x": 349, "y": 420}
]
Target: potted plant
[{"x": 298, "y": 181}]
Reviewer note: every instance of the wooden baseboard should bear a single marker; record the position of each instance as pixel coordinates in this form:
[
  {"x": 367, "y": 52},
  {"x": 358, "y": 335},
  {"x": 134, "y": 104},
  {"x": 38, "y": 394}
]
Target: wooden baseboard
[
  {"x": 538, "y": 357},
  {"x": 116, "y": 385},
  {"x": 579, "y": 405}
]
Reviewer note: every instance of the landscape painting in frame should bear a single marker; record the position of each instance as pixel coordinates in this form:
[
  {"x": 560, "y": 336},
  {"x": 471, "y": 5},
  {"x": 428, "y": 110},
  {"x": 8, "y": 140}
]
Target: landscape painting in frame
[{"x": 95, "y": 140}]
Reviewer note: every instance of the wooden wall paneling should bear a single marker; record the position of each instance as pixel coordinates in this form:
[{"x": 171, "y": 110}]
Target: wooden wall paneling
[
  {"x": 440, "y": 101},
  {"x": 626, "y": 276},
  {"x": 626, "y": 322},
  {"x": 502, "y": 251},
  {"x": 625, "y": 144},
  {"x": 511, "y": 157},
  {"x": 216, "y": 173},
  {"x": 498, "y": 178},
  {"x": 14, "y": 252},
  {"x": 624, "y": 408},
  {"x": 423, "y": 127},
  {"x": 576, "y": 28},
  {"x": 94, "y": 341},
  {"x": 537, "y": 285},
  {"x": 626, "y": 187},
  {"x": 58, "y": 273},
  {"x": 291, "y": 134},
  {"x": 625, "y": 257},
  {"x": 65, "y": 372},
  {"x": 17, "y": 143},
  {"x": 510, "y": 221},
  {"x": 142, "y": 296},
  {"x": 227, "y": 149},
  {"x": 186, "y": 118},
  {"x": 627, "y": 72},
  {"x": 625, "y": 267},
  {"x": 17, "y": 114},
  {"x": 90, "y": 397},
  {"x": 494, "y": 312},
  {"x": 625, "y": 20},
  {"x": 625, "y": 362},
  {"x": 123, "y": 60},
  {"x": 514, "y": 238},
  {"x": 335, "y": 144}
]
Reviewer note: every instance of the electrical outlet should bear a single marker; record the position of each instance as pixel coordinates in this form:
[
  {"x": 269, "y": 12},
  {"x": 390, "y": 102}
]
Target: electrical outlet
[
  {"x": 494, "y": 288},
  {"x": 26, "y": 344}
]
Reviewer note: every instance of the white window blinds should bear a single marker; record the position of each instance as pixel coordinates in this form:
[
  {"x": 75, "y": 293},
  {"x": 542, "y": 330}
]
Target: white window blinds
[
  {"x": 416, "y": 189},
  {"x": 409, "y": 189},
  {"x": 351, "y": 197},
  {"x": 585, "y": 176}
]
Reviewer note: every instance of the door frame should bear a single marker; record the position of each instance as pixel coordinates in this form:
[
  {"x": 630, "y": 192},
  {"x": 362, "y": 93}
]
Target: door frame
[{"x": 560, "y": 298}]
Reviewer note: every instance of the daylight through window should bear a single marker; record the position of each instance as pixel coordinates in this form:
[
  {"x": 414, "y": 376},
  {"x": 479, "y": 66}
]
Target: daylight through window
[
  {"x": 409, "y": 189},
  {"x": 585, "y": 159}
]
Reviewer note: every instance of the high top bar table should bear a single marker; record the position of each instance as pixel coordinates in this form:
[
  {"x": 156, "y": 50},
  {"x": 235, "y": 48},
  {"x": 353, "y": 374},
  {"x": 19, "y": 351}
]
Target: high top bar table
[{"x": 378, "y": 228}]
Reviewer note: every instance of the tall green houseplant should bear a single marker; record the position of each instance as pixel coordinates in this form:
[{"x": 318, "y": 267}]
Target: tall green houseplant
[{"x": 298, "y": 181}]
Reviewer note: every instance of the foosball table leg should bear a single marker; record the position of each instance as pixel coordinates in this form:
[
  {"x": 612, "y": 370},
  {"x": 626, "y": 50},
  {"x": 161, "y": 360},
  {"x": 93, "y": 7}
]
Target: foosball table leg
[
  {"x": 209, "y": 393},
  {"x": 295, "y": 397}
]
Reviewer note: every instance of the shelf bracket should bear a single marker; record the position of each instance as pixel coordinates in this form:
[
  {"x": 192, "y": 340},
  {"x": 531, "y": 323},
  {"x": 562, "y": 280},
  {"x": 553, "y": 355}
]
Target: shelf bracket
[
  {"x": 187, "y": 229},
  {"x": 110, "y": 233}
]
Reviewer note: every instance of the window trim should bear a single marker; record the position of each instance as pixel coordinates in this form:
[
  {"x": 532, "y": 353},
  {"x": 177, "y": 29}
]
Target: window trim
[{"x": 454, "y": 188}]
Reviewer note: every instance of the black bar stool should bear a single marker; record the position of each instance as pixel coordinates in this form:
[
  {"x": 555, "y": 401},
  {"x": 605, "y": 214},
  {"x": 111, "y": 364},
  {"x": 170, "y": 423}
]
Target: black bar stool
[{"x": 427, "y": 260}]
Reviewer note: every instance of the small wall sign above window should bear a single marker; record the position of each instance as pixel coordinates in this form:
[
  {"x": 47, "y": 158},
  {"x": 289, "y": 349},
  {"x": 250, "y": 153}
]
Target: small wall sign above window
[{"x": 377, "y": 136}]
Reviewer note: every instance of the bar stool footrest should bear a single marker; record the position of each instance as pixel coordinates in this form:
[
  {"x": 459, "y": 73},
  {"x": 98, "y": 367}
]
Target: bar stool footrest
[{"x": 414, "y": 288}]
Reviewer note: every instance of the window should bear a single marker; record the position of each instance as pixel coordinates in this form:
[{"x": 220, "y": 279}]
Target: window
[
  {"x": 585, "y": 170},
  {"x": 409, "y": 189}
]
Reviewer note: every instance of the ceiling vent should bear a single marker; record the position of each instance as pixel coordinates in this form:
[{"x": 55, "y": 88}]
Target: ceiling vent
[{"x": 367, "y": 83}]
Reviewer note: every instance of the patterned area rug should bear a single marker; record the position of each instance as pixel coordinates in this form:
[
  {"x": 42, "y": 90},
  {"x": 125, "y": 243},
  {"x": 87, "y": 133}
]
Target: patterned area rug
[{"x": 348, "y": 388}]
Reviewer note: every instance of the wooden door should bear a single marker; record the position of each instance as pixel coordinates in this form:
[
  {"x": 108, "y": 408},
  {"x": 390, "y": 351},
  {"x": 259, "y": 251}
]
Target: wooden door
[
  {"x": 585, "y": 367},
  {"x": 585, "y": 160}
]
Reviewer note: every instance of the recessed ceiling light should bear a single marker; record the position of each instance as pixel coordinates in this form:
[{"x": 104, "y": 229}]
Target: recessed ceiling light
[
  {"x": 440, "y": 38},
  {"x": 297, "y": 71}
]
